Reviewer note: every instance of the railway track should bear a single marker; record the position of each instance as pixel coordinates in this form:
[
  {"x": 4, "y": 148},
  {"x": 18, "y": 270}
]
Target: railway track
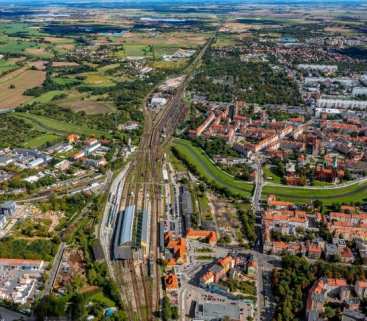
[{"x": 143, "y": 185}]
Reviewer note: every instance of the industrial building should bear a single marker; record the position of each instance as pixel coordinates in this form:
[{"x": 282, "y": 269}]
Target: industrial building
[{"x": 123, "y": 236}]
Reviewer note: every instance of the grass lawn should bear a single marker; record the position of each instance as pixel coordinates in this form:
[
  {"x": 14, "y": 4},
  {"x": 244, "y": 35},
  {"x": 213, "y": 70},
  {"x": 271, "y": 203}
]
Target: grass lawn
[
  {"x": 101, "y": 298},
  {"x": 41, "y": 140},
  {"x": 205, "y": 167},
  {"x": 59, "y": 127},
  {"x": 320, "y": 183},
  {"x": 270, "y": 175},
  {"x": 353, "y": 193}
]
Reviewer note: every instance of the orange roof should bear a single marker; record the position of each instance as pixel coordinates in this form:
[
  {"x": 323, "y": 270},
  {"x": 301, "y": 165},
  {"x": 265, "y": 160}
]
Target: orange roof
[
  {"x": 171, "y": 281},
  {"x": 313, "y": 247},
  {"x": 280, "y": 245},
  {"x": 336, "y": 282},
  {"x": 361, "y": 284},
  {"x": 191, "y": 233},
  {"x": 72, "y": 138},
  {"x": 5, "y": 261},
  {"x": 225, "y": 261}
]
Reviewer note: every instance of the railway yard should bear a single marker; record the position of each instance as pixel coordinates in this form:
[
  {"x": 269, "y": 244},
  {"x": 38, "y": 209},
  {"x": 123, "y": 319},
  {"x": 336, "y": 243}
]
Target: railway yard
[{"x": 133, "y": 245}]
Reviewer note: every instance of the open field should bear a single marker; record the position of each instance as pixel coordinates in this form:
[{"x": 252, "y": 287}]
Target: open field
[
  {"x": 14, "y": 84},
  {"x": 6, "y": 65},
  {"x": 81, "y": 102},
  {"x": 97, "y": 79},
  {"x": 163, "y": 43},
  {"x": 41, "y": 140},
  {"x": 39, "y": 52},
  {"x": 58, "y": 127},
  {"x": 206, "y": 168},
  {"x": 169, "y": 39},
  {"x": 46, "y": 97}
]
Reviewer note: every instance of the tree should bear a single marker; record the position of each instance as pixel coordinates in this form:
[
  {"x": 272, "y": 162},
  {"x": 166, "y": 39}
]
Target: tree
[
  {"x": 49, "y": 306},
  {"x": 77, "y": 307}
]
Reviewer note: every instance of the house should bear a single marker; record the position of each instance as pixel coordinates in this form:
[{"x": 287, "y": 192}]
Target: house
[
  {"x": 72, "y": 138},
  {"x": 314, "y": 250}
]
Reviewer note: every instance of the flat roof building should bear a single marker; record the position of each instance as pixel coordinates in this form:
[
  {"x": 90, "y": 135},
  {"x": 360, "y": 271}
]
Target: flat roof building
[{"x": 217, "y": 312}]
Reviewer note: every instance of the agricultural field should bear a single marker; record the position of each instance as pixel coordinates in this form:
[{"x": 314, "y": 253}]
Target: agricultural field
[
  {"x": 136, "y": 43},
  {"x": 14, "y": 84}
]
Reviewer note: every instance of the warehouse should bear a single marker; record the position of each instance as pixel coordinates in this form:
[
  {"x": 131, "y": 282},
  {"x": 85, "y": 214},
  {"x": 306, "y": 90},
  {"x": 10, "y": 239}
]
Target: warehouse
[{"x": 123, "y": 238}]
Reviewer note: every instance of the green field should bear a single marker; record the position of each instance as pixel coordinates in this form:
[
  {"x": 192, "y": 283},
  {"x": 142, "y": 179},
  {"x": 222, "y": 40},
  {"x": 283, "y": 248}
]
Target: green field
[
  {"x": 41, "y": 140},
  {"x": 353, "y": 193},
  {"x": 198, "y": 159},
  {"x": 46, "y": 97},
  {"x": 58, "y": 127},
  {"x": 14, "y": 47},
  {"x": 6, "y": 66}
]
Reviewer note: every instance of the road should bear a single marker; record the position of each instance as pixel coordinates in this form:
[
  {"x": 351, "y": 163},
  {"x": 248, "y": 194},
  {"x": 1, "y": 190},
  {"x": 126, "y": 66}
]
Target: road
[
  {"x": 55, "y": 269},
  {"x": 9, "y": 315}
]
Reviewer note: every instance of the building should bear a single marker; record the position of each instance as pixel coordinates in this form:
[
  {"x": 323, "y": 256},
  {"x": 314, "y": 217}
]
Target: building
[
  {"x": 218, "y": 312},
  {"x": 21, "y": 264},
  {"x": 316, "y": 67},
  {"x": 171, "y": 282},
  {"x": 123, "y": 238},
  {"x": 177, "y": 249},
  {"x": 19, "y": 279},
  {"x": 208, "y": 236},
  {"x": 8, "y": 208}
]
